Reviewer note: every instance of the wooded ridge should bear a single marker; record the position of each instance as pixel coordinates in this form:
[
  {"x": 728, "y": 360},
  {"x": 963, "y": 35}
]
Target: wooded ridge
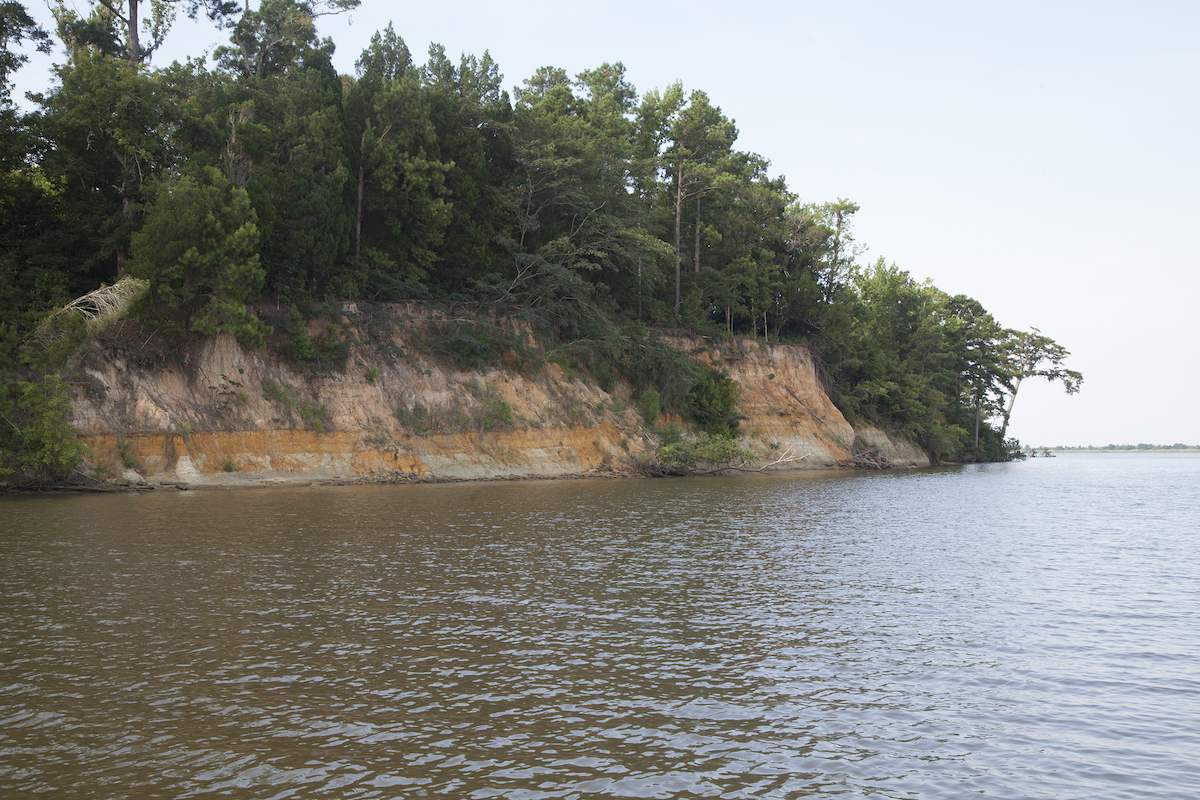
[{"x": 250, "y": 192}]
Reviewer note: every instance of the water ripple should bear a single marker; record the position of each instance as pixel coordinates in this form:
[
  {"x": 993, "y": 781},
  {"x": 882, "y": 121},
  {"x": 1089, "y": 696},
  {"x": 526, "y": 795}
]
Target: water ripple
[{"x": 1004, "y": 631}]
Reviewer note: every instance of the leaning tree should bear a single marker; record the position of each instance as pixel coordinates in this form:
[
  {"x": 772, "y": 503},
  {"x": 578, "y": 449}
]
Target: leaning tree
[{"x": 1032, "y": 354}]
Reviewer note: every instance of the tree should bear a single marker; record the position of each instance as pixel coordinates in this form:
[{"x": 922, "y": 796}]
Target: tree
[
  {"x": 401, "y": 205},
  {"x": 16, "y": 29},
  {"x": 1032, "y": 354},
  {"x": 744, "y": 238},
  {"x": 701, "y": 136},
  {"x": 198, "y": 249},
  {"x": 35, "y": 270},
  {"x": 286, "y": 144},
  {"x": 134, "y": 29},
  {"x": 580, "y": 235},
  {"x": 108, "y": 122},
  {"x": 472, "y": 118},
  {"x": 972, "y": 367}
]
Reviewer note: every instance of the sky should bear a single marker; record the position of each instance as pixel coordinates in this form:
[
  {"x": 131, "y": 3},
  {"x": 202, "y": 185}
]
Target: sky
[{"x": 1038, "y": 156}]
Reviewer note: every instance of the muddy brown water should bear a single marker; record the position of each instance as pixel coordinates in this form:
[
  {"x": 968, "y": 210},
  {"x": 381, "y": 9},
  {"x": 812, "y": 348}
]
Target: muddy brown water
[{"x": 1010, "y": 631}]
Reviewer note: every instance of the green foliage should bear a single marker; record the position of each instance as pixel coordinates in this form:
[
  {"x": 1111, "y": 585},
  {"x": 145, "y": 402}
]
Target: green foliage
[
  {"x": 710, "y": 451},
  {"x": 418, "y": 418},
  {"x": 649, "y": 404},
  {"x": 712, "y": 403},
  {"x": 324, "y": 353},
  {"x": 37, "y": 443},
  {"x": 474, "y": 345},
  {"x": 468, "y": 349},
  {"x": 125, "y": 452},
  {"x": 16, "y": 28},
  {"x": 486, "y": 411},
  {"x": 648, "y": 361},
  {"x": 414, "y": 417},
  {"x": 491, "y": 412},
  {"x": 310, "y": 412},
  {"x": 402, "y": 208},
  {"x": 198, "y": 248}
]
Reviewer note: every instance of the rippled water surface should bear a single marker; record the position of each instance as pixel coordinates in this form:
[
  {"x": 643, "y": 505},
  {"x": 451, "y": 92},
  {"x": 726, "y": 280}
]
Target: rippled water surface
[{"x": 1011, "y": 631}]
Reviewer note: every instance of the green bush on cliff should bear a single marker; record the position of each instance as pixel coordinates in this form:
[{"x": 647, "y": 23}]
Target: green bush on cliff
[
  {"x": 649, "y": 404},
  {"x": 326, "y": 352},
  {"x": 712, "y": 403},
  {"x": 474, "y": 345},
  {"x": 310, "y": 412},
  {"x": 493, "y": 413}
]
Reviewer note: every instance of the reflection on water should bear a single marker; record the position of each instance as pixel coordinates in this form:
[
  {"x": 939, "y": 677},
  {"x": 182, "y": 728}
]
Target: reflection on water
[{"x": 1028, "y": 630}]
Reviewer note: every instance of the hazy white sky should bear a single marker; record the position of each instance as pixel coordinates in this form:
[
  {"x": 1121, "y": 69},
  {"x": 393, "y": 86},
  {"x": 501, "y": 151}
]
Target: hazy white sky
[{"x": 1040, "y": 156}]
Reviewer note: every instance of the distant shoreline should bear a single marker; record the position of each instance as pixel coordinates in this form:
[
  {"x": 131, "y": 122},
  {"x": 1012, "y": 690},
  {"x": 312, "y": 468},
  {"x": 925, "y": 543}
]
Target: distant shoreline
[{"x": 1131, "y": 449}]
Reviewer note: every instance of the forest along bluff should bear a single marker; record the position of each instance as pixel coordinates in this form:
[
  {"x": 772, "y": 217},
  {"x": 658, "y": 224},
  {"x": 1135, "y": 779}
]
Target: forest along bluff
[{"x": 200, "y": 266}]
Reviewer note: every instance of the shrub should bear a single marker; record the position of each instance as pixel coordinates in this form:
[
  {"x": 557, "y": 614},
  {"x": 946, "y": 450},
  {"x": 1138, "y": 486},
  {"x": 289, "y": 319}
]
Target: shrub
[
  {"x": 325, "y": 352},
  {"x": 712, "y": 403},
  {"x": 478, "y": 345},
  {"x": 648, "y": 362},
  {"x": 125, "y": 452},
  {"x": 670, "y": 433},
  {"x": 469, "y": 349},
  {"x": 418, "y": 418},
  {"x": 37, "y": 442},
  {"x": 649, "y": 404},
  {"x": 492, "y": 412},
  {"x": 710, "y": 451},
  {"x": 310, "y": 412}
]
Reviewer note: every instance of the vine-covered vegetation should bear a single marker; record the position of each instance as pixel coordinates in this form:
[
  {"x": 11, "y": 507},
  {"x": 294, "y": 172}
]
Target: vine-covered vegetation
[{"x": 596, "y": 212}]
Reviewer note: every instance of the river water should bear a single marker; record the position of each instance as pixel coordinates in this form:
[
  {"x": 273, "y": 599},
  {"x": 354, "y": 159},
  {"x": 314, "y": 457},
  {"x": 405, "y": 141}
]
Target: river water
[{"x": 1012, "y": 631}]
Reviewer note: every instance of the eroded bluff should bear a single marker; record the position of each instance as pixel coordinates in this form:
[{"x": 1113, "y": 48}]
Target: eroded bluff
[{"x": 219, "y": 414}]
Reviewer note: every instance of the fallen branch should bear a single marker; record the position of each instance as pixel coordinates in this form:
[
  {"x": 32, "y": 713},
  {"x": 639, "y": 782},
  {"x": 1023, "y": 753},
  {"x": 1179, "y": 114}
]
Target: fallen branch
[
  {"x": 659, "y": 470},
  {"x": 97, "y": 308}
]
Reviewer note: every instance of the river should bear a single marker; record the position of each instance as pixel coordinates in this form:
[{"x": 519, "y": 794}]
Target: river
[{"x": 1025, "y": 630}]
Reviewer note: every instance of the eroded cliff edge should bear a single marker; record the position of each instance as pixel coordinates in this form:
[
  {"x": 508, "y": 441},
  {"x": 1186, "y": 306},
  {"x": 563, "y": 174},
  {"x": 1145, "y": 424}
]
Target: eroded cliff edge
[{"x": 218, "y": 414}]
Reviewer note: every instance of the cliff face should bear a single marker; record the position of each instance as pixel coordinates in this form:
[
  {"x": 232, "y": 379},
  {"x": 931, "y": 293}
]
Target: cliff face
[{"x": 218, "y": 414}]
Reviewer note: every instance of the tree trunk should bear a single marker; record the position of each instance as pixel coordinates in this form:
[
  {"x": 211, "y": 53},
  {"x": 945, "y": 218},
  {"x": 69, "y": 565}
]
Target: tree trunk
[
  {"x": 678, "y": 222},
  {"x": 132, "y": 40},
  {"x": 358, "y": 208},
  {"x": 978, "y": 414},
  {"x": 766, "y": 338},
  {"x": 696, "y": 246},
  {"x": 122, "y": 254},
  {"x": 1008, "y": 411},
  {"x": 837, "y": 257}
]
